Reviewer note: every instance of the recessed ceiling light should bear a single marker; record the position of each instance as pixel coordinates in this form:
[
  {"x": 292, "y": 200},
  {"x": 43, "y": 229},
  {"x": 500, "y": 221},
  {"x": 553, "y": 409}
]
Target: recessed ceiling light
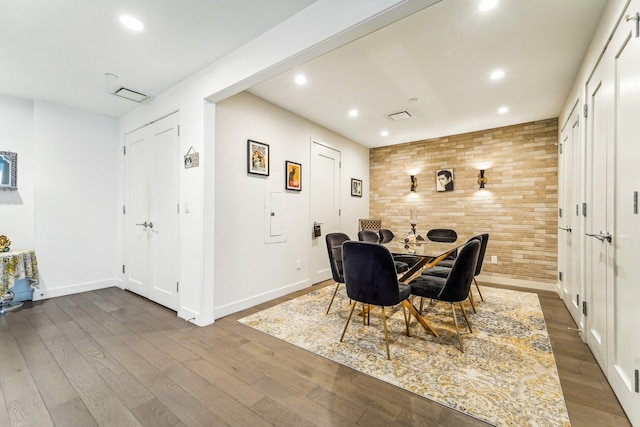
[
  {"x": 131, "y": 23},
  {"x": 497, "y": 75},
  {"x": 487, "y": 5},
  {"x": 300, "y": 79},
  {"x": 503, "y": 110},
  {"x": 384, "y": 133},
  {"x": 353, "y": 113}
]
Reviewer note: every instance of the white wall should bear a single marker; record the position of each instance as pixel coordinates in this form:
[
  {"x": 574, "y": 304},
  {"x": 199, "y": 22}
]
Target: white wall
[
  {"x": 248, "y": 271},
  {"x": 16, "y": 207},
  {"x": 66, "y": 204}
]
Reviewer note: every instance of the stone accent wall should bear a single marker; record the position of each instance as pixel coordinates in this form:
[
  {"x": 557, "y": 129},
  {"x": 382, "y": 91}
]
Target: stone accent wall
[{"x": 518, "y": 207}]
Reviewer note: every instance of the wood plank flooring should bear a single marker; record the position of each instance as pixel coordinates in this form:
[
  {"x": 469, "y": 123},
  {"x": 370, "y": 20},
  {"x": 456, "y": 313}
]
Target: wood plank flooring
[{"x": 111, "y": 358}]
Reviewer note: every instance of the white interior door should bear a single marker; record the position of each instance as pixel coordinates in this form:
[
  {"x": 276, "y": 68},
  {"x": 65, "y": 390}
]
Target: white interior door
[
  {"x": 597, "y": 247},
  {"x": 624, "y": 355},
  {"x": 152, "y": 219},
  {"x": 569, "y": 217},
  {"x": 325, "y": 206}
]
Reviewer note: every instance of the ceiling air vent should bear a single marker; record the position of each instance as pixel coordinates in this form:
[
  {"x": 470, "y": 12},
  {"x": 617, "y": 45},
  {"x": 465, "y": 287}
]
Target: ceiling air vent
[
  {"x": 131, "y": 95},
  {"x": 400, "y": 116}
]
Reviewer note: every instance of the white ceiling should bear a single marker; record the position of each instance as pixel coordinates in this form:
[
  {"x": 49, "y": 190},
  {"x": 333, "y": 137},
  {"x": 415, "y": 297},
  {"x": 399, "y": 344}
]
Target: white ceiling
[{"x": 60, "y": 51}]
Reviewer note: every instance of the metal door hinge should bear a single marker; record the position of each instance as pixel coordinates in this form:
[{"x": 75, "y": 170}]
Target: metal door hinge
[
  {"x": 577, "y": 209},
  {"x": 584, "y": 209},
  {"x": 584, "y": 308},
  {"x": 178, "y": 130},
  {"x": 339, "y": 212},
  {"x": 124, "y": 150},
  {"x": 560, "y": 212},
  {"x": 635, "y": 203},
  {"x": 577, "y": 299},
  {"x": 586, "y": 110},
  {"x": 177, "y": 286},
  {"x": 560, "y": 148},
  {"x": 560, "y": 276},
  {"x": 122, "y": 268},
  {"x": 637, "y": 382}
]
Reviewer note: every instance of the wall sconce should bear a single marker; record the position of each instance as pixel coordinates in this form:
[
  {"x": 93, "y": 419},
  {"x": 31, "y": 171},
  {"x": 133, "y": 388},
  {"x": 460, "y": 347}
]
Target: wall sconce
[
  {"x": 414, "y": 183},
  {"x": 482, "y": 180}
]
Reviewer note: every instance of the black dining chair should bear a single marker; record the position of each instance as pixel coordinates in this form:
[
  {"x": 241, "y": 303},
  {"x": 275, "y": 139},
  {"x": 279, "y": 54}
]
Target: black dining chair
[
  {"x": 374, "y": 237},
  {"x": 444, "y": 235},
  {"x": 386, "y": 235},
  {"x": 455, "y": 287},
  {"x": 334, "y": 248},
  {"x": 443, "y": 271},
  {"x": 371, "y": 279}
]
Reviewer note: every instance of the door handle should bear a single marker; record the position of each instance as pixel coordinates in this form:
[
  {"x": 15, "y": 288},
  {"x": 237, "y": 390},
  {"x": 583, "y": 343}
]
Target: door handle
[
  {"x": 565, "y": 229},
  {"x": 601, "y": 236},
  {"x": 146, "y": 224}
]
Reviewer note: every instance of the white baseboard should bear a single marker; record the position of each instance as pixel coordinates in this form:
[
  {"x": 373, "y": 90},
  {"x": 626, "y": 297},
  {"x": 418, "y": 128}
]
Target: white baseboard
[
  {"x": 553, "y": 287},
  {"x": 44, "y": 293},
  {"x": 236, "y": 306}
]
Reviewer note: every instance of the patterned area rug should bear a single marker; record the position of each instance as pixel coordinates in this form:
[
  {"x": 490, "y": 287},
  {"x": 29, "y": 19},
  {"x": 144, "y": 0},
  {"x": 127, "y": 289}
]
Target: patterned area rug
[{"x": 507, "y": 375}]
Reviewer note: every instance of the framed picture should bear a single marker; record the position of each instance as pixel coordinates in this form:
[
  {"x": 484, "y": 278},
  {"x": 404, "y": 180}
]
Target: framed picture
[
  {"x": 257, "y": 158},
  {"x": 444, "y": 180},
  {"x": 356, "y": 187},
  {"x": 293, "y": 173}
]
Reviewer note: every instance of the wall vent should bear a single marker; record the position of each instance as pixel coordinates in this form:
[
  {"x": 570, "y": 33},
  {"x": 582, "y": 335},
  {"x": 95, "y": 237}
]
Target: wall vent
[
  {"x": 131, "y": 95},
  {"x": 400, "y": 116}
]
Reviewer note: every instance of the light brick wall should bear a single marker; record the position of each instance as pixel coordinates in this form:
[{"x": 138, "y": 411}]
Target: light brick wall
[{"x": 518, "y": 208}]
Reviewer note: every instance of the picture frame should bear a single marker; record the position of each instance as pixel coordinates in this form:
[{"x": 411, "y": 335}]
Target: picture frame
[
  {"x": 356, "y": 187},
  {"x": 293, "y": 175},
  {"x": 444, "y": 180},
  {"x": 257, "y": 158}
]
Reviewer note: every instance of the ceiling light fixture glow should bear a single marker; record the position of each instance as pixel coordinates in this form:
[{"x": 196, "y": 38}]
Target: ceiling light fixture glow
[
  {"x": 487, "y": 5},
  {"x": 503, "y": 110},
  {"x": 300, "y": 79},
  {"x": 497, "y": 75},
  {"x": 353, "y": 113},
  {"x": 131, "y": 23}
]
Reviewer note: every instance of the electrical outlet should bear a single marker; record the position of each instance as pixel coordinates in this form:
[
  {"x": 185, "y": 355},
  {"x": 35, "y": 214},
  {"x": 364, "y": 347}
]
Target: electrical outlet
[
  {"x": 494, "y": 259},
  {"x": 298, "y": 264}
]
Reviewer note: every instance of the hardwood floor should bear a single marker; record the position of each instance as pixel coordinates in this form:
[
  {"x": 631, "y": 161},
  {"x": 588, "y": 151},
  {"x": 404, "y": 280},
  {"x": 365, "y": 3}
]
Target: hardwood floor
[{"x": 109, "y": 357}]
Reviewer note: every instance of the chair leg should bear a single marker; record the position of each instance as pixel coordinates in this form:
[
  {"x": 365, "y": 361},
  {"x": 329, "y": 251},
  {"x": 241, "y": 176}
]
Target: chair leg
[
  {"x": 465, "y": 317},
  {"x": 348, "y": 319},
  {"x": 406, "y": 319},
  {"x": 333, "y": 297},
  {"x": 386, "y": 336},
  {"x": 455, "y": 320},
  {"x": 473, "y": 306},
  {"x": 478, "y": 288}
]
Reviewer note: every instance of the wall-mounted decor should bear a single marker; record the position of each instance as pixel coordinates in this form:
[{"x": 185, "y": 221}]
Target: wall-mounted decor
[
  {"x": 444, "y": 180},
  {"x": 356, "y": 187},
  {"x": 293, "y": 173},
  {"x": 257, "y": 158},
  {"x": 8, "y": 170},
  {"x": 191, "y": 159}
]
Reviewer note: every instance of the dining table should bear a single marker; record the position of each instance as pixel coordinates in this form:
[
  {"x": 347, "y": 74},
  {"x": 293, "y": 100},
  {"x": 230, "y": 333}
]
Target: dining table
[{"x": 424, "y": 254}]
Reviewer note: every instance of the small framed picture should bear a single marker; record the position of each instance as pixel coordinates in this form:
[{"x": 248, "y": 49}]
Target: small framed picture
[
  {"x": 293, "y": 173},
  {"x": 257, "y": 158},
  {"x": 356, "y": 187},
  {"x": 444, "y": 180}
]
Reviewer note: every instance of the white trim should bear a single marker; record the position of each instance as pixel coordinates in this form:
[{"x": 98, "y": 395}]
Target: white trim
[
  {"x": 518, "y": 283},
  {"x": 42, "y": 293}
]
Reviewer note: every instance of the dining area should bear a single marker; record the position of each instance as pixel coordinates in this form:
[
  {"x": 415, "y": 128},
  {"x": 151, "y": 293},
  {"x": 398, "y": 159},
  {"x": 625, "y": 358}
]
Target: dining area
[{"x": 383, "y": 270}]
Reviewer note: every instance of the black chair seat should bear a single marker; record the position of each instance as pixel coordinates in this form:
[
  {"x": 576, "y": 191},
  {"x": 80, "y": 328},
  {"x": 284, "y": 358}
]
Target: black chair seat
[
  {"x": 447, "y": 263},
  {"x": 427, "y": 286},
  {"x": 401, "y": 267},
  {"x": 410, "y": 260},
  {"x": 437, "y": 271}
]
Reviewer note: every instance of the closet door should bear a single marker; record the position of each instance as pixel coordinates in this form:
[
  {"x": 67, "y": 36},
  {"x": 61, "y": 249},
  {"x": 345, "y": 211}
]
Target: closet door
[
  {"x": 570, "y": 216},
  {"x": 153, "y": 163},
  {"x": 624, "y": 354},
  {"x": 598, "y": 224}
]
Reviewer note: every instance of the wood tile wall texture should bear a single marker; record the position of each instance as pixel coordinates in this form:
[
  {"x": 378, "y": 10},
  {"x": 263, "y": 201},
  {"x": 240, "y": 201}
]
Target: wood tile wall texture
[{"x": 518, "y": 208}]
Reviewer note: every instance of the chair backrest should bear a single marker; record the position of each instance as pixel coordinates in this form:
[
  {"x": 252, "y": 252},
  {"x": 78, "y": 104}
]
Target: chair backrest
[
  {"x": 370, "y": 273},
  {"x": 483, "y": 249},
  {"x": 442, "y": 235},
  {"x": 458, "y": 282},
  {"x": 386, "y": 235},
  {"x": 368, "y": 236},
  {"x": 369, "y": 224},
  {"x": 334, "y": 248}
]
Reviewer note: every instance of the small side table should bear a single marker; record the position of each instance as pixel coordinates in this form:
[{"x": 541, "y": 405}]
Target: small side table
[{"x": 16, "y": 265}]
